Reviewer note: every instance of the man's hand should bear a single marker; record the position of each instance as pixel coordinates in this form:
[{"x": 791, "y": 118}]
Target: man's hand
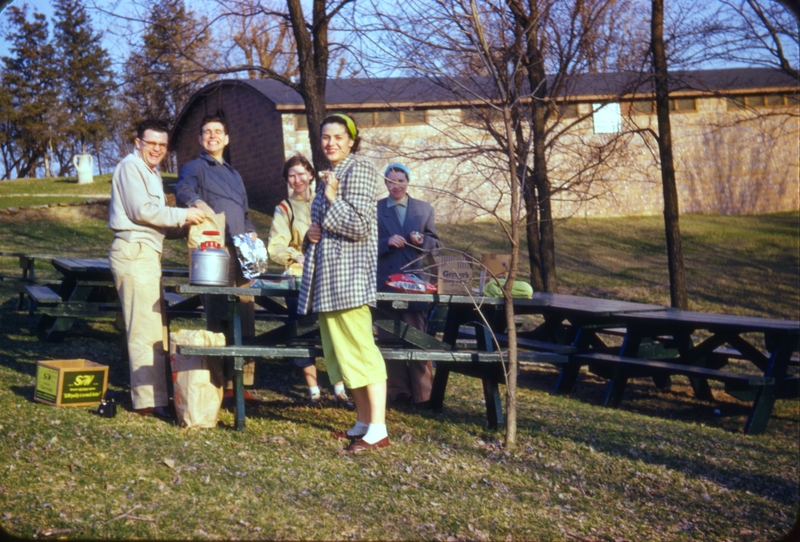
[
  {"x": 195, "y": 215},
  {"x": 397, "y": 241},
  {"x": 253, "y": 235},
  {"x": 205, "y": 207},
  {"x": 301, "y": 258},
  {"x": 416, "y": 237},
  {"x": 314, "y": 233}
]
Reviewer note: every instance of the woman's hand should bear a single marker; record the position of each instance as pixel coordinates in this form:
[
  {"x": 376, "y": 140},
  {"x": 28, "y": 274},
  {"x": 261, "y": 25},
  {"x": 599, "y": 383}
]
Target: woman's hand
[
  {"x": 397, "y": 241},
  {"x": 314, "y": 233},
  {"x": 331, "y": 184}
]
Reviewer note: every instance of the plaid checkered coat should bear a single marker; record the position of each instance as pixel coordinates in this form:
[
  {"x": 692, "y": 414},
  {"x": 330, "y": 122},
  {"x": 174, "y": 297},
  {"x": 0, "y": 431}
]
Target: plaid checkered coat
[{"x": 339, "y": 272}]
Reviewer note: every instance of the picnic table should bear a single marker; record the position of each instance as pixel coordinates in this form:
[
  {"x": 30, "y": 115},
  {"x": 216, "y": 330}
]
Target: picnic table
[
  {"x": 86, "y": 290},
  {"x": 27, "y": 265},
  {"x": 299, "y": 339},
  {"x": 659, "y": 342},
  {"x": 725, "y": 337}
]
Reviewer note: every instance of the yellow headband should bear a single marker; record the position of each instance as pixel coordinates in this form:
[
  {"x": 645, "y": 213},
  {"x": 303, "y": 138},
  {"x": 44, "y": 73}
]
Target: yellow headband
[{"x": 351, "y": 126}]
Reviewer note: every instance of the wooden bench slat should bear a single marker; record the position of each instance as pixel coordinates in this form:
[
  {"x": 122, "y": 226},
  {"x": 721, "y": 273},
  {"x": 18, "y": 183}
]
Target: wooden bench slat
[
  {"x": 389, "y": 354},
  {"x": 676, "y": 368},
  {"x": 43, "y": 295}
]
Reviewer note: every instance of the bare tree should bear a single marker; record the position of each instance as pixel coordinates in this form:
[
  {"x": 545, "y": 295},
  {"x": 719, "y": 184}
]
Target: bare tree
[
  {"x": 508, "y": 68},
  {"x": 756, "y": 32},
  {"x": 259, "y": 38},
  {"x": 677, "y": 275}
]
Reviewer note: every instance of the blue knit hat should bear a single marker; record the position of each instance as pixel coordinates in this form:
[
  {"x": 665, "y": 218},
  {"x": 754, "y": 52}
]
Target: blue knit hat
[{"x": 399, "y": 167}]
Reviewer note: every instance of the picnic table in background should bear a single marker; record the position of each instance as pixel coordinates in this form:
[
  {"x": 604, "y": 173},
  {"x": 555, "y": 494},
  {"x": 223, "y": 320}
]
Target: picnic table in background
[
  {"x": 27, "y": 265},
  {"x": 704, "y": 344},
  {"x": 86, "y": 290}
]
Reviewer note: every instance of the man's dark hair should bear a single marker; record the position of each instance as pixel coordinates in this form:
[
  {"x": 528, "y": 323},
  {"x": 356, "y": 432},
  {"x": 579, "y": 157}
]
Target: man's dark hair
[
  {"x": 213, "y": 118},
  {"x": 157, "y": 125}
]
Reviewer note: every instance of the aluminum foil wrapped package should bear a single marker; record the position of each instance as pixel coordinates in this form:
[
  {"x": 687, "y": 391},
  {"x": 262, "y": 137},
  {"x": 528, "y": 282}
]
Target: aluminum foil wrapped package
[{"x": 252, "y": 255}]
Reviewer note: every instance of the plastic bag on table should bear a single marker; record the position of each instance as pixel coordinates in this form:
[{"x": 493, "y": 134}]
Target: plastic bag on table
[
  {"x": 520, "y": 289},
  {"x": 252, "y": 255},
  {"x": 197, "y": 380},
  {"x": 410, "y": 284}
]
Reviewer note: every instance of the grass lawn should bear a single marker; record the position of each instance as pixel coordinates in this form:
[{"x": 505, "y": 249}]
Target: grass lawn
[{"x": 662, "y": 467}]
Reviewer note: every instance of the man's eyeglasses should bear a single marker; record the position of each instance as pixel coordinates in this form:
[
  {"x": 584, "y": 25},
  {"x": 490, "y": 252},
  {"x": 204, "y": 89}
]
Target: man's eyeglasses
[{"x": 155, "y": 145}]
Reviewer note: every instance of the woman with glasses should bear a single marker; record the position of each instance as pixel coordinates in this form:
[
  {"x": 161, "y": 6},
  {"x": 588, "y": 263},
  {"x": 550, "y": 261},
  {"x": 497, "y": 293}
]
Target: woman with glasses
[{"x": 339, "y": 279}]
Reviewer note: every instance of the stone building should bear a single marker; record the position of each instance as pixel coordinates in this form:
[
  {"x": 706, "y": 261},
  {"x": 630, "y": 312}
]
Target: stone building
[{"x": 735, "y": 136}]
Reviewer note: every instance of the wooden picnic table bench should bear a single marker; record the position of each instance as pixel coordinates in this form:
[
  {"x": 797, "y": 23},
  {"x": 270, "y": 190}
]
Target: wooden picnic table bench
[
  {"x": 27, "y": 263},
  {"x": 694, "y": 357},
  {"x": 623, "y": 368},
  {"x": 87, "y": 290}
]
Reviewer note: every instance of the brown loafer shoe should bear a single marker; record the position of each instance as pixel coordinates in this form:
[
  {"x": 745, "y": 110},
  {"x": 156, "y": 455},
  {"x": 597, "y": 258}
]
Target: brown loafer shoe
[
  {"x": 342, "y": 435},
  {"x": 361, "y": 445},
  {"x": 229, "y": 399}
]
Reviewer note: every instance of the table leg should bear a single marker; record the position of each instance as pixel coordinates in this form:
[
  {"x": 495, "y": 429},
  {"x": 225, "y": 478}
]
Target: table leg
[
  {"x": 568, "y": 375},
  {"x": 616, "y": 385},
  {"x": 28, "y": 275},
  {"x": 440, "y": 377},
  {"x": 238, "y": 392},
  {"x": 700, "y": 386},
  {"x": 765, "y": 396},
  {"x": 491, "y": 393},
  {"x": 234, "y": 336}
]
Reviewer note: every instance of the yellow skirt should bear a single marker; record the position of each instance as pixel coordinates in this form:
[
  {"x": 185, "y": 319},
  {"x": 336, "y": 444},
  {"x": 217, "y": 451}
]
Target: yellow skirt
[{"x": 350, "y": 351}]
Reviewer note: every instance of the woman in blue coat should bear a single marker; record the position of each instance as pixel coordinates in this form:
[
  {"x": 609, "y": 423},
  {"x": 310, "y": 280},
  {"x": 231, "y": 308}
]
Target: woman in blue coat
[
  {"x": 339, "y": 279},
  {"x": 406, "y": 235}
]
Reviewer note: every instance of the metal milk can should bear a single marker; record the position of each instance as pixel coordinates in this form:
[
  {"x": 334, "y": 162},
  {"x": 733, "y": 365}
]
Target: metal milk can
[{"x": 209, "y": 264}]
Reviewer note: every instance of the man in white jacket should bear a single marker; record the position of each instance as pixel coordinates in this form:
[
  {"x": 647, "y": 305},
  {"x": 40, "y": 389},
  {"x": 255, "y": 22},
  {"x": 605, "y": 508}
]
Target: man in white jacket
[{"x": 140, "y": 218}]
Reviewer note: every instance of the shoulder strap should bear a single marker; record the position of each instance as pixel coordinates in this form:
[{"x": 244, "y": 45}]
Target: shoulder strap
[{"x": 291, "y": 215}]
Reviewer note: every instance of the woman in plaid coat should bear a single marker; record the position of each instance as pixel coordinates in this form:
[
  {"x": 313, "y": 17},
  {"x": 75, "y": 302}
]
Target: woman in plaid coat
[{"x": 339, "y": 279}]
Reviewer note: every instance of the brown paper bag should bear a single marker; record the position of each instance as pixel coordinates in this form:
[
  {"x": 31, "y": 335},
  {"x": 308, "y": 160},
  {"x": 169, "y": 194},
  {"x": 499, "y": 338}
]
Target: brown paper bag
[
  {"x": 197, "y": 380},
  {"x": 211, "y": 223}
]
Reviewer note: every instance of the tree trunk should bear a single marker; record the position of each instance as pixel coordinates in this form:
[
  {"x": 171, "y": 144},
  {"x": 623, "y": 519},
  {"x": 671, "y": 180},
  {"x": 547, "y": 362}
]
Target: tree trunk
[
  {"x": 312, "y": 63},
  {"x": 677, "y": 277},
  {"x": 511, "y": 369},
  {"x": 544, "y": 260},
  {"x": 532, "y": 229}
]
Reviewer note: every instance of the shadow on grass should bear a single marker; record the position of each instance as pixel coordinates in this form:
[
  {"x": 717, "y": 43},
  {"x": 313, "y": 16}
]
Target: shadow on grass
[{"x": 614, "y": 437}]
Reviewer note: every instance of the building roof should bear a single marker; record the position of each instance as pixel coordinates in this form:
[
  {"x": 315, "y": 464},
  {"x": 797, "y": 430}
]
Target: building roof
[{"x": 367, "y": 93}]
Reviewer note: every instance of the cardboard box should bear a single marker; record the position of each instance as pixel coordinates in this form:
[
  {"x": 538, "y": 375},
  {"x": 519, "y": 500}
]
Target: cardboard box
[
  {"x": 454, "y": 275},
  {"x": 70, "y": 382},
  {"x": 497, "y": 264}
]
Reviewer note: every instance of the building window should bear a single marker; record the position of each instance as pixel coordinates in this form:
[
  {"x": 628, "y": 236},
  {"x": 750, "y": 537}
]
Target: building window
[
  {"x": 643, "y": 107},
  {"x": 481, "y": 115},
  {"x": 682, "y": 105},
  {"x": 568, "y": 110},
  {"x": 607, "y": 118},
  {"x": 373, "y": 118},
  {"x": 363, "y": 118},
  {"x": 735, "y": 102},
  {"x": 762, "y": 100}
]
